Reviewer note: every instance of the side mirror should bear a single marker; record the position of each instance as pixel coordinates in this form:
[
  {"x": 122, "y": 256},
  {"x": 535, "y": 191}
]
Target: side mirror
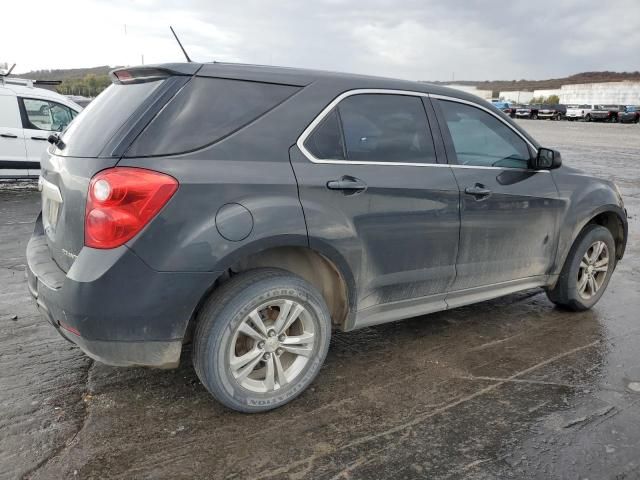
[{"x": 547, "y": 159}]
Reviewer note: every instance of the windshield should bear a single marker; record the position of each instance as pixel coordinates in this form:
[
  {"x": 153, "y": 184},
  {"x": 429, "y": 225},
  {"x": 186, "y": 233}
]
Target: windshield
[{"x": 96, "y": 124}]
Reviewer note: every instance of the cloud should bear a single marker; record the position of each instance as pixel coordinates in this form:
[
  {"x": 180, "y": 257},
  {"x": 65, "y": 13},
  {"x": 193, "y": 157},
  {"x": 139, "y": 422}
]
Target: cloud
[{"x": 423, "y": 40}]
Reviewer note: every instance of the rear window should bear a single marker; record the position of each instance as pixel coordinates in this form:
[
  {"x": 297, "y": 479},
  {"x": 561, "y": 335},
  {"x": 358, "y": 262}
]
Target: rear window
[
  {"x": 95, "y": 125},
  {"x": 205, "y": 111}
]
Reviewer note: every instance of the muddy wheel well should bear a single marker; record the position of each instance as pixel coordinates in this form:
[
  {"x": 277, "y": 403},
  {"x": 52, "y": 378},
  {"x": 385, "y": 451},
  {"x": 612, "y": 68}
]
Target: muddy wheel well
[
  {"x": 304, "y": 262},
  {"x": 612, "y": 222}
]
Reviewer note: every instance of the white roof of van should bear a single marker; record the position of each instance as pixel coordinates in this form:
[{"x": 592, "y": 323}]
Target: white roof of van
[{"x": 26, "y": 91}]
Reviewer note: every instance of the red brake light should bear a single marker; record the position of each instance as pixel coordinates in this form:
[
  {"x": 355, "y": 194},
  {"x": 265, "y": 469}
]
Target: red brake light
[
  {"x": 121, "y": 201},
  {"x": 123, "y": 75}
]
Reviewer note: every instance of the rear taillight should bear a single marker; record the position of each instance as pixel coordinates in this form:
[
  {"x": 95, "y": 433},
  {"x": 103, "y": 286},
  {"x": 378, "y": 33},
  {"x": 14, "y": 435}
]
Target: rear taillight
[{"x": 121, "y": 201}]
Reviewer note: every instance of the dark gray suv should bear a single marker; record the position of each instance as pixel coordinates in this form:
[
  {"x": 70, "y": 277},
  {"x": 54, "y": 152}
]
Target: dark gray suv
[{"x": 253, "y": 210}]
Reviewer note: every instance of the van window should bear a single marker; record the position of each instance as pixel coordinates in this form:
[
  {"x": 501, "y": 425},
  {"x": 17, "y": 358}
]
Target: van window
[
  {"x": 205, "y": 111},
  {"x": 386, "y": 128},
  {"x": 45, "y": 115}
]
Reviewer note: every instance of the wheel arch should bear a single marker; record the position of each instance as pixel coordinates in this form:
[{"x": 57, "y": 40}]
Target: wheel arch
[
  {"x": 321, "y": 266},
  {"x": 609, "y": 216}
]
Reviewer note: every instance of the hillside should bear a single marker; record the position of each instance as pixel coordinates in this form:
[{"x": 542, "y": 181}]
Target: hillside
[
  {"x": 530, "y": 85},
  {"x": 494, "y": 85},
  {"x": 68, "y": 74}
]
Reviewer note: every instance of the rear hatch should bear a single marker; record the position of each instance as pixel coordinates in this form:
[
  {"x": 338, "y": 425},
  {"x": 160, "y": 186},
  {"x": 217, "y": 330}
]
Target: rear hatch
[{"x": 94, "y": 141}]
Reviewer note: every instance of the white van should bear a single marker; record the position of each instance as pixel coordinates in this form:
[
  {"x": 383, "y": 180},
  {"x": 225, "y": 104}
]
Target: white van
[{"x": 28, "y": 115}]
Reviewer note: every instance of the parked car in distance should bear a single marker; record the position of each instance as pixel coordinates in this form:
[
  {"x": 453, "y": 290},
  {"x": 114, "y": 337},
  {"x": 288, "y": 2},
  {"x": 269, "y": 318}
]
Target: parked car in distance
[
  {"x": 528, "y": 111},
  {"x": 505, "y": 107},
  {"x": 630, "y": 114},
  {"x": 552, "y": 112},
  {"x": 579, "y": 112},
  {"x": 606, "y": 113},
  {"x": 28, "y": 115},
  {"x": 253, "y": 210}
]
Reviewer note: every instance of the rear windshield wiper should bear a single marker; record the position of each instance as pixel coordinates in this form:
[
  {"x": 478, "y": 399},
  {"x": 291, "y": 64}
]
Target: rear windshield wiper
[{"x": 55, "y": 139}]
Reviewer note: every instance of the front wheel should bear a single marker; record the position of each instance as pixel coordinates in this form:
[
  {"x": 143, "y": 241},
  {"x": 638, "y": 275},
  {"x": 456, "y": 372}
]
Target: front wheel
[
  {"x": 261, "y": 339},
  {"x": 586, "y": 271}
]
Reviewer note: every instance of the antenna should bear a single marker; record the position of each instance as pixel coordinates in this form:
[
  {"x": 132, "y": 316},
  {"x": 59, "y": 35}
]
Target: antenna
[
  {"x": 9, "y": 72},
  {"x": 178, "y": 40}
]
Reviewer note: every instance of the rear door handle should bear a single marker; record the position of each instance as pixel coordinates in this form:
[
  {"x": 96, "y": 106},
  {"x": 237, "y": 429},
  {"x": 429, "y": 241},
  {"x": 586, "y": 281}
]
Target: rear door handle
[
  {"x": 39, "y": 138},
  {"x": 347, "y": 183},
  {"x": 479, "y": 191},
  {"x": 8, "y": 135}
]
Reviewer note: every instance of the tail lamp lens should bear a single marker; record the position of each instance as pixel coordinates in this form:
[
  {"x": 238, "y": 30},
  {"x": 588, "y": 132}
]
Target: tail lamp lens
[{"x": 121, "y": 201}]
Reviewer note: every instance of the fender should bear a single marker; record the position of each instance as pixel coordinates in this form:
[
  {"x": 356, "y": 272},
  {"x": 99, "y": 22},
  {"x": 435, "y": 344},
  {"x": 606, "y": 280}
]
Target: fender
[{"x": 565, "y": 246}]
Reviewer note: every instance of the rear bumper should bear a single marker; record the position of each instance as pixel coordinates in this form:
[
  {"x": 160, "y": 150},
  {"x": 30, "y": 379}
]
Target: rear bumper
[{"x": 113, "y": 306}]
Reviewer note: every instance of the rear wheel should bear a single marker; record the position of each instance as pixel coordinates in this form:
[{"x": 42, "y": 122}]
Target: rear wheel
[
  {"x": 261, "y": 339},
  {"x": 586, "y": 271},
  {"x": 534, "y": 116},
  {"x": 587, "y": 118}
]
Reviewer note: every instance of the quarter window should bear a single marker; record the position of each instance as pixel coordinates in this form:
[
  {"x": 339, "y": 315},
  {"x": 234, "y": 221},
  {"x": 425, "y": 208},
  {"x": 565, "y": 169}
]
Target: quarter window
[
  {"x": 326, "y": 140},
  {"x": 481, "y": 139},
  {"x": 205, "y": 111}
]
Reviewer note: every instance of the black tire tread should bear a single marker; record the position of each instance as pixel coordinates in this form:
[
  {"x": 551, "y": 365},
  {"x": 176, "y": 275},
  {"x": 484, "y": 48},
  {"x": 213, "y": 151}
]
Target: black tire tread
[
  {"x": 213, "y": 310},
  {"x": 218, "y": 300},
  {"x": 560, "y": 293}
]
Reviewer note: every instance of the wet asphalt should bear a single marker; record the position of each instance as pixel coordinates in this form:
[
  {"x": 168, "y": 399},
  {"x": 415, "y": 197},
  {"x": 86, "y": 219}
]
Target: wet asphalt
[{"x": 510, "y": 388}]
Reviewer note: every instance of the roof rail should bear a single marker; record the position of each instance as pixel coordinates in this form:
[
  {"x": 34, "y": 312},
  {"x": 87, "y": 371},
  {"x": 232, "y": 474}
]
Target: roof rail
[
  {"x": 16, "y": 81},
  {"x": 27, "y": 82}
]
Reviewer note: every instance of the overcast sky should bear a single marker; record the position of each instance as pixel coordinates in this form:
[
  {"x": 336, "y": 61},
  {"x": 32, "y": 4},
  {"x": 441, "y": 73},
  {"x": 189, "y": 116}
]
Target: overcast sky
[{"x": 418, "y": 40}]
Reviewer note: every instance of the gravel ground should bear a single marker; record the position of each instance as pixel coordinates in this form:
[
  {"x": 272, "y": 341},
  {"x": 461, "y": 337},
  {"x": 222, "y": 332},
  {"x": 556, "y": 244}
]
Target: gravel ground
[{"x": 511, "y": 388}]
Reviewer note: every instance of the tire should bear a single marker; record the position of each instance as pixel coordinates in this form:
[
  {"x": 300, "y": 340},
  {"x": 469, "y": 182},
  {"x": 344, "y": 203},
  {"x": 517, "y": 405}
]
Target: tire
[
  {"x": 568, "y": 292},
  {"x": 218, "y": 340},
  {"x": 534, "y": 117},
  {"x": 587, "y": 118}
]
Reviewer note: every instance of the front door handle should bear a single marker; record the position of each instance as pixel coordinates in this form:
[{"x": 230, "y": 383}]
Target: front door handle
[
  {"x": 479, "y": 191},
  {"x": 39, "y": 138},
  {"x": 347, "y": 183},
  {"x": 8, "y": 135}
]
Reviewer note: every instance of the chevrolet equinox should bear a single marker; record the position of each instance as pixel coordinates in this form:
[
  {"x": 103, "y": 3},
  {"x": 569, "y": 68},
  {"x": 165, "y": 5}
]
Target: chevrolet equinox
[{"x": 252, "y": 210}]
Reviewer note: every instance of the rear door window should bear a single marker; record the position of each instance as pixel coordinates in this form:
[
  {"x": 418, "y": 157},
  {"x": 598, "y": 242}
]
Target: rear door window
[
  {"x": 386, "y": 128},
  {"x": 204, "y": 112},
  {"x": 381, "y": 128}
]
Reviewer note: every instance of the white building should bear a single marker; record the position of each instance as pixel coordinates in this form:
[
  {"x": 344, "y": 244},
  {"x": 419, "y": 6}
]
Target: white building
[
  {"x": 613, "y": 93},
  {"x": 547, "y": 92},
  {"x": 484, "y": 94}
]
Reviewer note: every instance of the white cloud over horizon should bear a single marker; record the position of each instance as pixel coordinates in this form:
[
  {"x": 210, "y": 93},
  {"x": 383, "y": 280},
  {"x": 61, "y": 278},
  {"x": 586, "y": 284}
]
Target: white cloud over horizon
[{"x": 412, "y": 39}]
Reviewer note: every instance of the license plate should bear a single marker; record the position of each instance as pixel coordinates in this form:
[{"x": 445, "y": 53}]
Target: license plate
[{"x": 51, "y": 203}]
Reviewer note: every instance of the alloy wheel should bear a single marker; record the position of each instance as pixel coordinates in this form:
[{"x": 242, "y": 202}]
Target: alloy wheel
[
  {"x": 272, "y": 345},
  {"x": 593, "y": 269}
]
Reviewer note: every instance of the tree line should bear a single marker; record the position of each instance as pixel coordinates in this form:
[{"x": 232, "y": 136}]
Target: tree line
[{"x": 88, "y": 86}]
